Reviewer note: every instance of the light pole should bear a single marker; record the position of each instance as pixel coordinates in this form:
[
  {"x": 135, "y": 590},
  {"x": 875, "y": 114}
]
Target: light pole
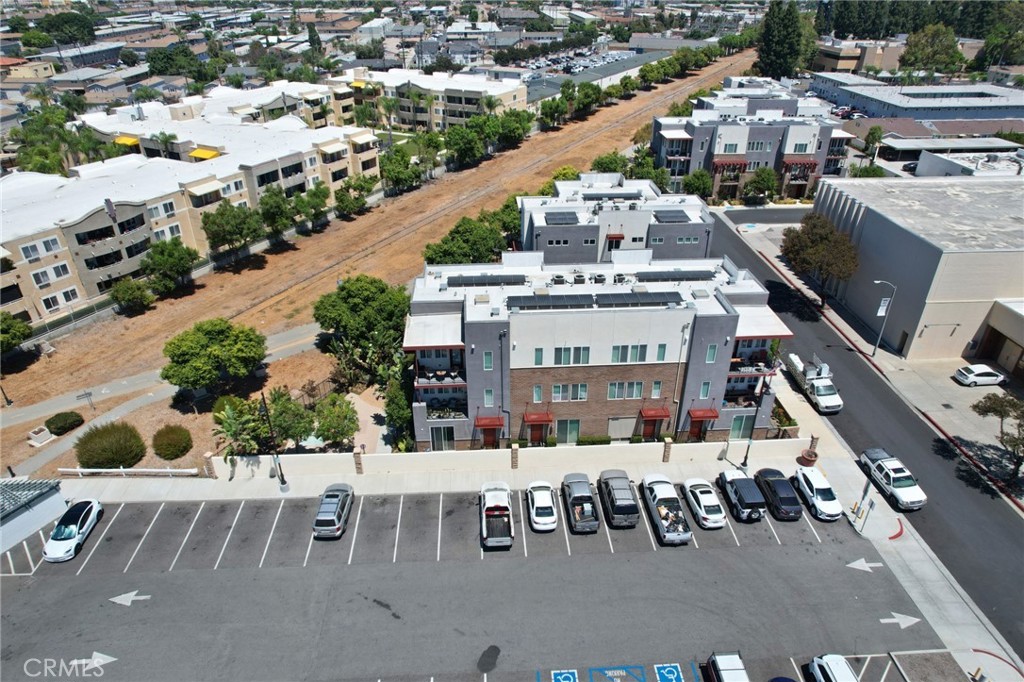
[{"x": 883, "y": 310}]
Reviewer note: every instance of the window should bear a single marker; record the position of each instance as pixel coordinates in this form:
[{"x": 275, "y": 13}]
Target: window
[
  {"x": 634, "y": 390},
  {"x": 239, "y": 185},
  {"x": 620, "y": 353},
  {"x": 168, "y": 207},
  {"x": 488, "y": 360},
  {"x": 488, "y": 397},
  {"x": 755, "y": 146},
  {"x": 657, "y": 240},
  {"x": 538, "y": 393},
  {"x": 566, "y": 392},
  {"x": 616, "y": 390},
  {"x": 581, "y": 355},
  {"x": 769, "y": 146},
  {"x": 638, "y": 353},
  {"x": 637, "y": 240},
  {"x": 225, "y": 190},
  {"x": 703, "y": 144},
  {"x": 661, "y": 352},
  {"x": 753, "y": 165},
  {"x": 310, "y": 162},
  {"x": 30, "y": 252},
  {"x": 656, "y": 390},
  {"x": 680, "y": 240},
  {"x": 137, "y": 248},
  {"x": 41, "y": 278},
  {"x": 705, "y": 389},
  {"x": 174, "y": 230},
  {"x": 578, "y": 392},
  {"x": 562, "y": 356},
  {"x": 61, "y": 270},
  {"x": 731, "y": 148},
  {"x": 70, "y": 295},
  {"x": 742, "y": 426},
  {"x": 440, "y": 353},
  {"x": 538, "y": 356},
  {"x": 50, "y": 245},
  {"x": 51, "y": 303},
  {"x": 589, "y": 242},
  {"x": 819, "y": 144},
  {"x": 424, "y": 354},
  {"x": 153, "y": 212},
  {"x": 712, "y": 353},
  {"x": 800, "y": 148},
  {"x": 159, "y": 236}
]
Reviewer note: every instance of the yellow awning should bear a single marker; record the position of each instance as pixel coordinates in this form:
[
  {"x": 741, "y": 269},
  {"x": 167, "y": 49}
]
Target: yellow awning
[
  {"x": 358, "y": 84},
  {"x": 204, "y": 154},
  {"x": 126, "y": 140}
]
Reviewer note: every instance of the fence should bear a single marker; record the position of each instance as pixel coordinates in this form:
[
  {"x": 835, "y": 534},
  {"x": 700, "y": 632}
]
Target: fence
[{"x": 124, "y": 473}]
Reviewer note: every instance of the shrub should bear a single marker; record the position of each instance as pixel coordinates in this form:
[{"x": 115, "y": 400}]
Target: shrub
[
  {"x": 62, "y": 422},
  {"x": 636, "y": 438},
  {"x": 551, "y": 441},
  {"x": 593, "y": 440},
  {"x": 172, "y": 441},
  {"x": 218, "y": 407},
  {"x": 110, "y": 446}
]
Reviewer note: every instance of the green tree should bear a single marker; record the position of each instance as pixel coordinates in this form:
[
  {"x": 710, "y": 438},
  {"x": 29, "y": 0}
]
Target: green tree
[
  {"x": 643, "y": 134},
  {"x": 588, "y": 96},
  {"x": 779, "y": 49},
  {"x": 131, "y": 296},
  {"x": 649, "y": 74},
  {"x": 388, "y": 107},
  {"x": 18, "y": 24},
  {"x": 315, "y": 44},
  {"x": 871, "y": 141},
  {"x": 146, "y": 93},
  {"x": 276, "y": 211},
  {"x": 397, "y": 170},
  {"x": 487, "y": 128},
  {"x": 612, "y": 162},
  {"x": 629, "y": 85},
  {"x": 553, "y": 111},
  {"x": 764, "y": 183},
  {"x": 614, "y": 91},
  {"x": 336, "y": 419},
  {"x": 819, "y": 250},
  {"x": 430, "y": 144},
  {"x": 470, "y": 241},
  {"x": 935, "y": 47},
  {"x": 1007, "y": 409},
  {"x": 870, "y": 171},
  {"x": 69, "y": 27},
  {"x": 232, "y": 227},
  {"x": 362, "y": 306},
  {"x": 36, "y": 39},
  {"x": 350, "y": 198},
  {"x": 210, "y": 351},
  {"x": 240, "y": 426},
  {"x": 699, "y": 182},
  {"x": 312, "y": 204},
  {"x": 290, "y": 419},
  {"x": 506, "y": 218},
  {"x": 165, "y": 140},
  {"x": 561, "y": 173},
  {"x": 74, "y": 104},
  {"x": 465, "y": 145},
  {"x": 167, "y": 264},
  {"x": 129, "y": 57},
  {"x": 13, "y": 332},
  {"x": 643, "y": 168},
  {"x": 398, "y": 412},
  {"x": 513, "y": 127}
]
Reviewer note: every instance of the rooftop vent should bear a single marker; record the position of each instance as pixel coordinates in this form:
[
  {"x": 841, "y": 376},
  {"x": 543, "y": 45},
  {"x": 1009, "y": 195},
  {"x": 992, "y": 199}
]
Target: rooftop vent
[
  {"x": 701, "y": 293},
  {"x": 619, "y": 278},
  {"x": 579, "y": 279},
  {"x": 558, "y": 279},
  {"x": 599, "y": 279}
]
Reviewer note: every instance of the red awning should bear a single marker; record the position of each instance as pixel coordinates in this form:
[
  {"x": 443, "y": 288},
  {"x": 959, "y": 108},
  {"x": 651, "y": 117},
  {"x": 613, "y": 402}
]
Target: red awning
[
  {"x": 494, "y": 422},
  {"x": 652, "y": 413},
  {"x": 538, "y": 418},
  {"x": 615, "y": 235},
  {"x": 701, "y": 414}
]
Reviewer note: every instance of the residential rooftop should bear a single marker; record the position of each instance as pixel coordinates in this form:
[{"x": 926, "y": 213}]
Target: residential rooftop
[
  {"x": 941, "y": 96},
  {"x": 437, "y": 82},
  {"x": 960, "y": 214}
]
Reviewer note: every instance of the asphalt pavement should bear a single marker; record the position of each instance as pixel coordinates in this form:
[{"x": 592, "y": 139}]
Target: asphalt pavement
[{"x": 977, "y": 535}]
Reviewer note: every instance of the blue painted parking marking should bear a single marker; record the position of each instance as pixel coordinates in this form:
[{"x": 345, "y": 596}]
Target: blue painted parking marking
[
  {"x": 623, "y": 673},
  {"x": 696, "y": 671},
  {"x": 565, "y": 676},
  {"x": 668, "y": 672}
]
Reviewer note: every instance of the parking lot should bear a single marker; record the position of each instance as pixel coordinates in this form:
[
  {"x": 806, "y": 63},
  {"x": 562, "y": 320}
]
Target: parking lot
[{"x": 217, "y": 535}]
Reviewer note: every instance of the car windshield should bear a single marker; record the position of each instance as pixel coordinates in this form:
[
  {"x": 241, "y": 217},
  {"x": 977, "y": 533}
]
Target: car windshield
[
  {"x": 63, "y": 532},
  {"x": 826, "y": 494},
  {"x": 903, "y": 482},
  {"x": 712, "y": 509},
  {"x": 825, "y": 390},
  {"x": 544, "y": 512}
]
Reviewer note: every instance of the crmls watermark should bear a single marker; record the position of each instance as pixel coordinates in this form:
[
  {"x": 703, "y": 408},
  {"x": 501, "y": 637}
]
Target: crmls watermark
[{"x": 62, "y": 668}]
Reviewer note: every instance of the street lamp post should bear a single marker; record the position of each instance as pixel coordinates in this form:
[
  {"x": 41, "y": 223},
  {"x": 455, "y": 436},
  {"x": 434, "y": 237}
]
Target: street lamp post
[
  {"x": 887, "y": 305},
  {"x": 281, "y": 482}
]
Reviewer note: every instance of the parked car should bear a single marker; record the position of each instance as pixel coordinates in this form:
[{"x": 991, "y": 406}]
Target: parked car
[
  {"x": 68, "y": 536},
  {"x": 666, "y": 510},
  {"x": 581, "y": 512},
  {"x": 333, "y": 512},
  {"x": 832, "y": 668},
  {"x": 779, "y": 495},
  {"x": 857, "y": 115},
  {"x": 979, "y": 375},
  {"x": 540, "y": 499},
  {"x": 910, "y": 167},
  {"x": 742, "y": 495},
  {"x": 618, "y": 499},
  {"x": 818, "y": 494},
  {"x": 704, "y": 503}
]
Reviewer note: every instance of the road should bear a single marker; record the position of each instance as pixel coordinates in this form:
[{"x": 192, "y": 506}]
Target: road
[{"x": 978, "y": 537}]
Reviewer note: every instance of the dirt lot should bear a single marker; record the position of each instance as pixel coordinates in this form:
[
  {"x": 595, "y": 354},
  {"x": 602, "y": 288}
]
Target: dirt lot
[{"x": 278, "y": 291}]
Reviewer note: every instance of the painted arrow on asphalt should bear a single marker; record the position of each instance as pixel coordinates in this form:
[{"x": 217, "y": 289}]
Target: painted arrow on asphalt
[
  {"x": 127, "y": 598},
  {"x": 863, "y": 565},
  {"x": 903, "y": 621},
  {"x": 98, "y": 660}
]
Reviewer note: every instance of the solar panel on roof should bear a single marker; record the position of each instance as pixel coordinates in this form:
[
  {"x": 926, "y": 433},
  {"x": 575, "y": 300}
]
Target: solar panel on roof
[
  {"x": 638, "y": 299},
  {"x": 675, "y": 275},
  {"x": 485, "y": 280},
  {"x": 562, "y": 302},
  {"x": 561, "y": 218},
  {"x": 672, "y": 217}
]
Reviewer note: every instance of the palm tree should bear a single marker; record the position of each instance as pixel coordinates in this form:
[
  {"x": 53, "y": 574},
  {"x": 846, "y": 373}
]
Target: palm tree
[
  {"x": 42, "y": 93},
  {"x": 490, "y": 104},
  {"x": 388, "y": 105},
  {"x": 237, "y": 427},
  {"x": 416, "y": 97},
  {"x": 428, "y": 104},
  {"x": 165, "y": 140}
]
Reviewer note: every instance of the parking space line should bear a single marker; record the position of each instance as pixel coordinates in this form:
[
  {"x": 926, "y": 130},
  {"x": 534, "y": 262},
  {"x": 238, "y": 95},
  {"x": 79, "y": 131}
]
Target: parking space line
[
  {"x": 138, "y": 546},
  {"x": 565, "y": 527},
  {"x": 355, "y": 534},
  {"x": 308, "y": 547},
  {"x": 608, "y": 533},
  {"x": 398, "y": 528},
  {"x": 191, "y": 526},
  {"x": 271, "y": 536},
  {"x": 795, "y": 667},
  {"x": 885, "y": 673},
  {"x": 28, "y": 555},
  {"x": 693, "y": 539},
  {"x": 522, "y": 520},
  {"x": 811, "y": 526},
  {"x": 228, "y": 538},
  {"x": 100, "y": 541},
  {"x": 731, "y": 530},
  {"x": 647, "y": 524},
  {"x": 440, "y": 512},
  {"x": 864, "y": 668},
  {"x": 769, "y": 521}
]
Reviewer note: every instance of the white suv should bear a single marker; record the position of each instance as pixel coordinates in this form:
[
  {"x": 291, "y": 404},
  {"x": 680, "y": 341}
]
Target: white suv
[
  {"x": 832, "y": 668},
  {"x": 818, "y": 494}
]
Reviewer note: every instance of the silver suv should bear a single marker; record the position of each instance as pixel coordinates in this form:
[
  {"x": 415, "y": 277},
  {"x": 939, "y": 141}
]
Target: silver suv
[
  {"x": 618, "y": 499},
  {"x": 333, "y": 512}
]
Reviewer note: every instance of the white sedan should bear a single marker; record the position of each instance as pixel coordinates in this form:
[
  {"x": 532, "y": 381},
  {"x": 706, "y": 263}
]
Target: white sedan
[
  {"x": 979, "y": 375},
  {"x": 70, "y": 532},
  {"x": 704, "y": 503},
  {"x": 540, "y": 498}
]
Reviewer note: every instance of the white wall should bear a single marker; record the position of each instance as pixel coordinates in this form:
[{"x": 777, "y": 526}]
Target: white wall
[{"x": 26, "y": 522}]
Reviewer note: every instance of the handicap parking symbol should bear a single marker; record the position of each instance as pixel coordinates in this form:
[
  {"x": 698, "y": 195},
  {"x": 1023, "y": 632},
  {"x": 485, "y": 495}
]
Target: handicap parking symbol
[
  {"x": 564, "y": 676},
  {"x": 669, "y": 672}
]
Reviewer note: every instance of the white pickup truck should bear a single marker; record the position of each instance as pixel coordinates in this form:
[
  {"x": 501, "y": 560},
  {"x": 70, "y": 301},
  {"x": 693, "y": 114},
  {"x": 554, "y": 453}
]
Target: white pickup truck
[
  {"x": 666, "y": 510},
  {"x": 894, "y": 479},
  {"x": 496, "y": 527},
  {"x": 815, "y": 380}
]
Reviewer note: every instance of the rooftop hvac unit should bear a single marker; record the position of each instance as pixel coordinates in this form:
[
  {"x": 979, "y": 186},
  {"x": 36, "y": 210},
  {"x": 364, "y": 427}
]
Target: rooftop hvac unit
[
  {"x": 558, "y": 279},
  {"x": 444, "y": 286},
  {"x": 619, "y": 278},
  {"x": 495, "y": 311},
  {"x": 599, "y": 279},
  {"x": 579, "y": 279}
]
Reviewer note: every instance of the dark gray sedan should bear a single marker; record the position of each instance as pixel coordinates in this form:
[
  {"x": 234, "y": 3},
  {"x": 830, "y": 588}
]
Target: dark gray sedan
[{"x": 780, "y": 495}]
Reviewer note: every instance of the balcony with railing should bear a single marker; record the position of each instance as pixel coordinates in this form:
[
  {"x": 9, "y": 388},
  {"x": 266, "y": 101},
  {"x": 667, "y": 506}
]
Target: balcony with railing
[
  {"x": 455, "y": 376},
  {"x": 104, "y": 261},
  {"x": 93, "y": 236}
]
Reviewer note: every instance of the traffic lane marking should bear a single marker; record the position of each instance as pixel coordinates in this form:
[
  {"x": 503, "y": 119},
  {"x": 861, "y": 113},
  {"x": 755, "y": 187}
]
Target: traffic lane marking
[
  {"x": 250, "y": 535},
  {"x": 460, "y": 527},
  {"x": 418, "y": 532},
  {"x": 122, "y": 539},
  {"x": 291, "y": 538},
  {"x": 167, "y": 530},
  {"x": 207, "y": 536},
  {"x": 143, "y": 539},
  {"x": 378, "y": 525},
  {"x": 102, "y": 527}
]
